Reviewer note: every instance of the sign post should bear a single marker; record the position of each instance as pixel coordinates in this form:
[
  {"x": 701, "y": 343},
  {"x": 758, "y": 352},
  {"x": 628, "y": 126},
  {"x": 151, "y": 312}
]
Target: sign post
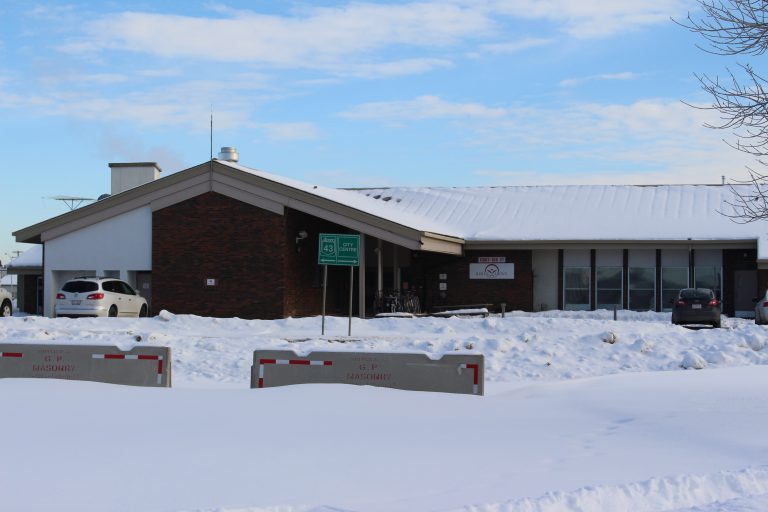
[{"x": 339, "y": 250}]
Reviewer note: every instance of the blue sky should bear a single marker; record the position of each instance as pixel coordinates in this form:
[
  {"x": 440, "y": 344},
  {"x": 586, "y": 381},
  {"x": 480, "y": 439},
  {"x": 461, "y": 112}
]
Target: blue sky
[{"x": 451, "y": 93}]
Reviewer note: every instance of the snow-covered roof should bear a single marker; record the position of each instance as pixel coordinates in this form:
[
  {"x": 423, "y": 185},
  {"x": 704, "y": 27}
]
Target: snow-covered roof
[
  {"x": 575, "y": 212},
  {"x": 360, "y": 202},
  {"x": 444, "y": 217},
  {"x": 31, "y": 258}
]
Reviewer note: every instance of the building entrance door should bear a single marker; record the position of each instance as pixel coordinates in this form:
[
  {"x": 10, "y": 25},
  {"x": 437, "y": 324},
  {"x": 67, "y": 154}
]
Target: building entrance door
[
  {"x": 144, "y": 287},
  {"x": 744, "y": 291}
]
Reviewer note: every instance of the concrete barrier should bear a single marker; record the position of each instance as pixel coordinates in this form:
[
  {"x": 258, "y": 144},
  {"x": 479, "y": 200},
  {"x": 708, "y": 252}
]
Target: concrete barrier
[
  {"x": 453, "y": 373},
  {"x": 140, "y": 366}
]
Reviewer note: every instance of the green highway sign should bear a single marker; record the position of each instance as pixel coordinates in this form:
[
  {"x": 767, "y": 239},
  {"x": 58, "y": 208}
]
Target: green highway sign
[{"x": 339, "y": 250}]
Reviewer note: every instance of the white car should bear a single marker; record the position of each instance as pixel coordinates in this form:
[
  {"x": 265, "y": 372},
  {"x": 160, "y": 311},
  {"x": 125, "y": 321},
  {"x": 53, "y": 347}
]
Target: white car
[
  {"x": 761, "y": 310},
  {"x": 99, "y": 296},
  {"x": 6, "y": 306}
]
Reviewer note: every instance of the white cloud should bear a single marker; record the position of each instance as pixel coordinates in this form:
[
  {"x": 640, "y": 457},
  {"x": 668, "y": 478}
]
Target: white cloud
[
  {"x": 320, "y": 38},
  {"x": 395, "y": 68},
  {"x": 282, "y": 132},
  {"x": 184, "y": 104},
  {"x": 422, "y": 108},
  {"x": 514, "y": 46},
  {"x": 161, "y": 72},
  {"x": 592, "y": 18},
  {"x": 648, "y": 141},
  {"x": 84, "y": 79},
  {"x": 626, "y": 75},
  {"x": 349, "y": 37}
]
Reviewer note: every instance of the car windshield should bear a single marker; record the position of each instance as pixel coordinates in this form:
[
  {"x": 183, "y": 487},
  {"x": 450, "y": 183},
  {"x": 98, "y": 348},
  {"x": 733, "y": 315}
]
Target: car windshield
[
  {"x": 696, "y": 293},
  {"x": 80, "y": 286}
]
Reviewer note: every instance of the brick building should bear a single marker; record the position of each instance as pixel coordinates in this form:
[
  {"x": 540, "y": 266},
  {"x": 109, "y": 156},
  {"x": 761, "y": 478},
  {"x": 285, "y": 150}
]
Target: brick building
[{"x": 221, "y": 239}]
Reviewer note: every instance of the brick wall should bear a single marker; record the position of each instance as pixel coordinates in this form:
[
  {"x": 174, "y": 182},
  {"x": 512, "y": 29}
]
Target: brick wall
[
  {"x": 303, "y": 276},
  {"x": 212, "y": 236},
  {"x": 517, "y": 293}
]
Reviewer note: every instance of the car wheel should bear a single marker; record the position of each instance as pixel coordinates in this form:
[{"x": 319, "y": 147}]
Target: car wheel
[
  {"x": 112, "y": 311},
  {"x": 143, "y": 311},
  {"x": 6, "y": 309}
]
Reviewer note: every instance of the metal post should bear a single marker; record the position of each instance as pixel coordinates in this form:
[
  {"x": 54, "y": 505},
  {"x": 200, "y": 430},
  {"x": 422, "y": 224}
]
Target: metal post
[
  {"x": 351, "y": 289},
  {"x": 503, "y": 309},
  {"x": 615, "y": 314},
  {"x": 325, "y": 286}
]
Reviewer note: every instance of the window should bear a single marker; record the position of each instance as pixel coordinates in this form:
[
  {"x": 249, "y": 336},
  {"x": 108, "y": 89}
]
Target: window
[
  {"x": 125, "y": 288},
  {"x": 111, "y": 286},
  {"x": 576, "y": 288},
  {"x": 696, "y": 293},
  {"x": 80, "y": 286},
  {"x": 609, "y": 287},
  {"x": 642, "y": 288},
  {"x": 709, "y": 277},
  {"x": 673, "y": 279}
]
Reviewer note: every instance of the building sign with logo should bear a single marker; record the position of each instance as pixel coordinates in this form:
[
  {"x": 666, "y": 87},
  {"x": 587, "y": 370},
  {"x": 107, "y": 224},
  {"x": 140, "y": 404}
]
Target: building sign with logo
[
  {"x": 339, "y": 250},
  {"x": 491, "y": 270}
]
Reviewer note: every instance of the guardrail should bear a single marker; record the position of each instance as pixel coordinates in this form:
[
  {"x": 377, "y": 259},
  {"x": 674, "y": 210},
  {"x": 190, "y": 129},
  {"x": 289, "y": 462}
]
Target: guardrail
[
  {"x": 140, "y": 366},
  {"x": 452, "y": 373}
]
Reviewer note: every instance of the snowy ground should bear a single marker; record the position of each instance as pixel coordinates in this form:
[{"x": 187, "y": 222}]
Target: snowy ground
[{"x": 580, "y": 413}]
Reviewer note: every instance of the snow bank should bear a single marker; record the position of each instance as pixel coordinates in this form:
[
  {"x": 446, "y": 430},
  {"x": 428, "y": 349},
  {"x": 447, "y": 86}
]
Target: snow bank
[
  {"x": 521, "y": 347},
  {"x": 653, "y": 495}
]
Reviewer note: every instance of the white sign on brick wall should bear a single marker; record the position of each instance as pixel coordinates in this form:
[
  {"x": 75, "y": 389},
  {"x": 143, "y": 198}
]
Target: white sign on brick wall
[{"x": 491, "y": 270}]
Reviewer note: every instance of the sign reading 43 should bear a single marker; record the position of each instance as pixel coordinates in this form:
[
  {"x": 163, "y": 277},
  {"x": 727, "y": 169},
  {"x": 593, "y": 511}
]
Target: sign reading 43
[{"x": 339, "y": 250}]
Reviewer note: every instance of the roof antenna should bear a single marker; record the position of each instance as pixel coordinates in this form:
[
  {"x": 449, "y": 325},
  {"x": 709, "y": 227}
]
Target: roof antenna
[
  {"x": 72, "y": 202},
  {"x": 210, "y": 161}
]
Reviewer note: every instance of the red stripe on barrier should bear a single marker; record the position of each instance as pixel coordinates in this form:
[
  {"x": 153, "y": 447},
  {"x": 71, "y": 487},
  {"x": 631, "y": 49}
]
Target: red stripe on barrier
[
  {"x": 327, "y": 363},
  {"x": 476, "y": 369},
  {"x": 159, "y": 366},
  {"x": 268, "y": 361},
  {"x": 148, "y": 357},
  {"x": 11, "y": 354},
  {"x": 297, "y": 361},
  {"x": 114, "y": 356},
  {"x": 261, "y": 382}
]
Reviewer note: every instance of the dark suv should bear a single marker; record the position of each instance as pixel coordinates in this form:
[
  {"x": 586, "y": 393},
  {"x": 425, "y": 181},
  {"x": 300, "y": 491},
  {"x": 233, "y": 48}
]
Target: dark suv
[{"x": 696, "y": 306}]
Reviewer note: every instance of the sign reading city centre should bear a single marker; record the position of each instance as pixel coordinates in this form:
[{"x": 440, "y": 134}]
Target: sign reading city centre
[{"x": 339, "y": 250}]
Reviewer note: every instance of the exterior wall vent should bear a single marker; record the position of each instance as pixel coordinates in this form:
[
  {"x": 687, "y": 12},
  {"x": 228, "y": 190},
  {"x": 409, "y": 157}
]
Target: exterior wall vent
[{"x": 229, "y": 154}]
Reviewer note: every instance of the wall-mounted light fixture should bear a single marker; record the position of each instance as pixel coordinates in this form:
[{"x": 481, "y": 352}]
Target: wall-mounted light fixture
[{"x": 301, "y": 235}]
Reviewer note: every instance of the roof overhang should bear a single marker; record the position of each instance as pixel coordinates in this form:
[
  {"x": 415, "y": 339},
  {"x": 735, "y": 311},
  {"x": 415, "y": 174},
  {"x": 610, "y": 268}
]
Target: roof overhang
[
  {"x": 250, "y": 188},
  {"x": 670, "y": 243}
]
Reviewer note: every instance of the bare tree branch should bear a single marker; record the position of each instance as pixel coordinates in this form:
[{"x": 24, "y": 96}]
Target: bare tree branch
[
  {"x": 738, "y": 27},
  {"x": 749, "y": 206},
  {"x": 732, "y": 27}
]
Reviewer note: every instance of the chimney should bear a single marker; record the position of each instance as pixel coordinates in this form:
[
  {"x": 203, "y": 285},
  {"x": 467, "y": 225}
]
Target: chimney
[
  {"x": 228, "y": 154},
  {"x": 126, "y": 176}
]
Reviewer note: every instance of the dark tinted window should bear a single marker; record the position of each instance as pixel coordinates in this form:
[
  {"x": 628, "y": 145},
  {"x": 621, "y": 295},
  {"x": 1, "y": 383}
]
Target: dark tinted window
[
  {"x": 696, "y": 293},
  {"x": 126, "y": 288},
  {"x": 111, "y": 286},
  {"x": 80, "y": 286}
]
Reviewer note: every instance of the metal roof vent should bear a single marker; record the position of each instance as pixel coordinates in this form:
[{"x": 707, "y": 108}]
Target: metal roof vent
[{"x": 229, "y": 154}]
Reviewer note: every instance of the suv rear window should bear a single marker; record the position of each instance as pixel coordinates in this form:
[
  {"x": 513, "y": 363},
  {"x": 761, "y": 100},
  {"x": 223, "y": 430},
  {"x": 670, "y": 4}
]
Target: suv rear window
[
  {"x": 80, "y": 286},
  {"x": 696, "y": 293}
]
